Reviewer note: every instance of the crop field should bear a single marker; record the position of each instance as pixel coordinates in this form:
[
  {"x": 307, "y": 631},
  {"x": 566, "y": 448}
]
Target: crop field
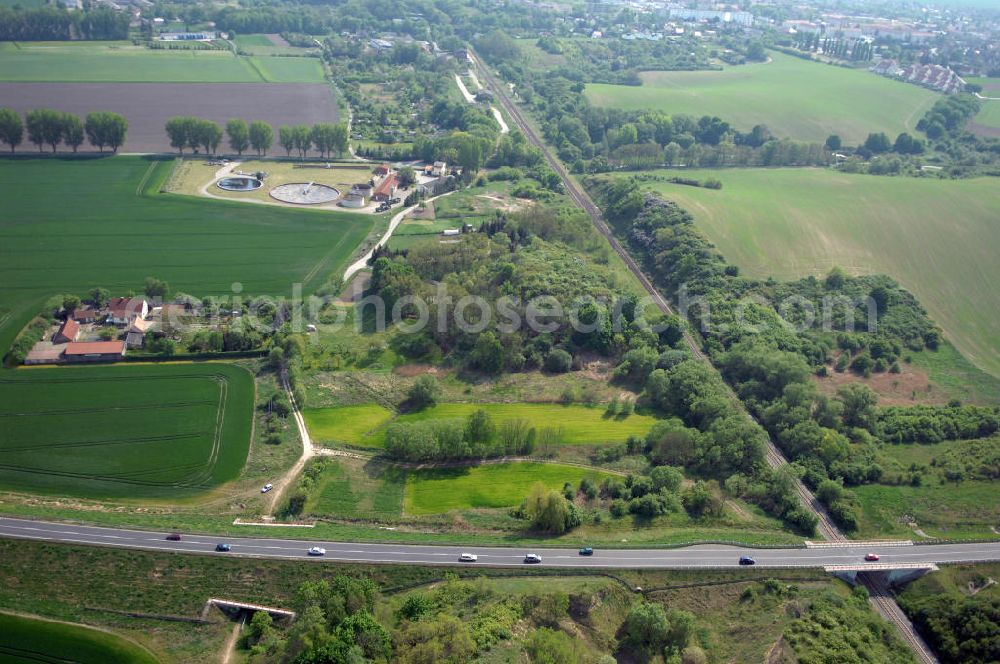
[
  {"x": 364, "y": 426},
  {"x": 936, "y": 237},
  {"x": 124, "y": 431},
  {"x": 121, "y": 62},
  {"x": 148, "y": 106},
  {"x": 794, "y": 98},
  {"x": 72, "y": 225},
  {"x": 435, "y": 491},
  {"x": 25, "y": 640}
]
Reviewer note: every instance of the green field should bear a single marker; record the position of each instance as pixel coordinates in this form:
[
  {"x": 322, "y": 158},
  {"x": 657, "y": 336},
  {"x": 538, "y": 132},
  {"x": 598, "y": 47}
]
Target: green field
[
  {"x": 364, "y": 426},
  {"x": 794, "y": 98},
  {"x": 435, "y": 491},
  {"x": 352, "y": 488},
  {"x": 252, "y": 40},
  {"x": 72, "y": 225},
  {"x": 946, "y": 511},
  {"x": 936, "y": 237},
  {"x": 989, "y": 114},
  {"x": 124, "y": 431},
  {"x": 347, "y": 424},
  {"x": 95, "y": 62},
  {"x": 25, "y": 640}
]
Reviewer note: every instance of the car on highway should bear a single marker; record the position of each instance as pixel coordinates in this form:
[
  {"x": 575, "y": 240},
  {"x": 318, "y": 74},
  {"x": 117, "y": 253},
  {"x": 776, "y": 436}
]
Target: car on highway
[
  {"x": 871, "y": 557},
  {"x": 468, "y": 558},
  {"x": 317, "y": 551},
  {"x": 586, "y": 551},
  {"x": 267, "y": 487},
  {"x": 747, "y": 560},
  {"x": 174, "y": 537},
  {"x": 223, "y": 547},
  {"x": 532, "y": 558}
]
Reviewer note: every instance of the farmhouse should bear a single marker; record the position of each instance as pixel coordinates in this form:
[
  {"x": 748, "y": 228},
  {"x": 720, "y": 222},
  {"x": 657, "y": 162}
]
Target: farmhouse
[
  {"x": 94, "y": 351},
  {"x": 85, "y": 315},
  {"x": 68, "y": 332},
  {"x": 123, "y": 310},
  {"x": 431, "y": 187},
  {"x": 386, "y": 189},
  {"x": 439, "y": 168}
]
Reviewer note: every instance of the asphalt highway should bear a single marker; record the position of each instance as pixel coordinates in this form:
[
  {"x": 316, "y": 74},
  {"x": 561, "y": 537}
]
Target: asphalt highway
[{"x": 693, "y": 557}]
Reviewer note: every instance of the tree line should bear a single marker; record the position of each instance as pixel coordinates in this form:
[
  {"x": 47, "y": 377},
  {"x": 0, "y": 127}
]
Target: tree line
[
  {"x": 101, "y": 129},
  {"x": 476, "y": 437},
  {"x": 57, "y": 24},
  {"x": 196, "y": 133},
  {"x": 832, "y": 441}
]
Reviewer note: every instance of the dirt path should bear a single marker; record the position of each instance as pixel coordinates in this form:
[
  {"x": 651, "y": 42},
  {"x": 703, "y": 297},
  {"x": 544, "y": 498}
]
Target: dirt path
[
  {"x": 504, "y": 129},
  {"x": 288, "y": 479},
  {"x": 469, "y": 97},
  {"x": 362, "y": 262},
  {"x": 230, "y": 647}
]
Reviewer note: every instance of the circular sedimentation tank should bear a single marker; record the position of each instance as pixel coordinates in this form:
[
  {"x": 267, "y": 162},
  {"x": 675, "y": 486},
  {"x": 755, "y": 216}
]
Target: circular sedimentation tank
[
  {"x": 304, "y": 193},
  {"x": 239, "y": 183}
]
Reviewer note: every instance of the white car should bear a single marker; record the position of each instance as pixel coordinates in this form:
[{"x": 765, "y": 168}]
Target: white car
[
  {"x": 317, "y": 551},
  {"x": 267, "y": 487},
  {"x": 468, "y": 558},
  {"x": 532, "y": 558}
]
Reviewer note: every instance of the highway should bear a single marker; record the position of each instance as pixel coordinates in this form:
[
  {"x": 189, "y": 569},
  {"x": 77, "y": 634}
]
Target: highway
[{"x": 693, "y": 557}]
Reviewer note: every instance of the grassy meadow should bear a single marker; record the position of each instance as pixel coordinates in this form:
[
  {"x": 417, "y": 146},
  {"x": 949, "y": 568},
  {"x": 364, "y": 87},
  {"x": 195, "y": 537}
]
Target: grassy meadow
[
  {"x": 353, "y": 425},
  {"x": 70, "y": 225},
  {"x": 122, "y": 62},
  {"x": 435, "y": 491},
  {"x": 936, "y": 237},
  {"x": 967, "y": 510},
  {"x": 352, "y": 488},
  {"x": 25, "y": 640},
  {"x": 794, "y": 98},
  {"x": 124, "y": 431},
  {"x": 364, "y": 426}
]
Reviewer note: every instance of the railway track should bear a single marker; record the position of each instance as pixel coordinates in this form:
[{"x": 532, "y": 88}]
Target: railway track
[
  {"x": 775, "y": 458},
  {"x": 881, "y": 597}
]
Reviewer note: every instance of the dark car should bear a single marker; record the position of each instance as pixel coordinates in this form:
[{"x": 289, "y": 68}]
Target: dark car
[
  {"x": 586, "y": 551},
  {"x": 174, "y": 537},
  {"x": 747, "y": 560},
  {"x": 223, "y": 547}
]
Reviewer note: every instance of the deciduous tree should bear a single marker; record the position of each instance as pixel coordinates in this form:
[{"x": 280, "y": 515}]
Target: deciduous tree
[{"x": 11, "y": 128}]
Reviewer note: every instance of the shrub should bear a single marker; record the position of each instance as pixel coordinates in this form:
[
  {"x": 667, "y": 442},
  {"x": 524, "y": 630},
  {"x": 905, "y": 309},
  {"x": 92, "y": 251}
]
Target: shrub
[
  {"x": 558, "y": 361},
  {"x": 424, "y": 392}
]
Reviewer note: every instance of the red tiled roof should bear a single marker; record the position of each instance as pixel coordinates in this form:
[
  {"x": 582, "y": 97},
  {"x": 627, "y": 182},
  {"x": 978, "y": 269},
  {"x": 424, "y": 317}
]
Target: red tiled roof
[
  {"x": 125, "y": 306},
  {"x": 384, "y": 187},
  {"x": 95, "y": 348},
  {"x": 69, "y": 329},
  {"x": 84, "y": 314},
  {"x": 381, "y": 169}
]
